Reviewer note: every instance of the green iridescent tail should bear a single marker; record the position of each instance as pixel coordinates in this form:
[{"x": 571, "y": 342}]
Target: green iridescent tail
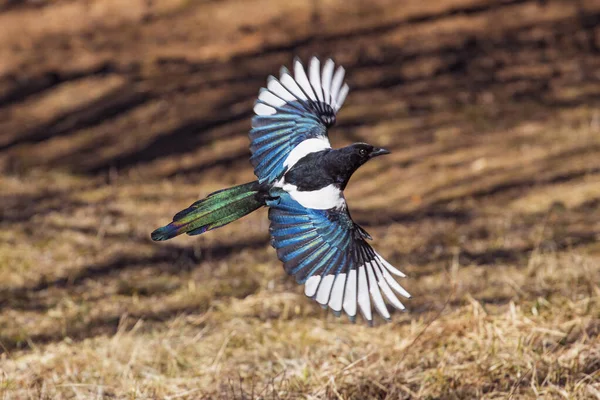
[{"x": 217, "y": 209}]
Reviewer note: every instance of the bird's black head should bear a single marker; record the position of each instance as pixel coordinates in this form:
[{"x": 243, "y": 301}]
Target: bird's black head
[
  {"x": 348, "y": 159},
  {"x": 360, "y": 153}
]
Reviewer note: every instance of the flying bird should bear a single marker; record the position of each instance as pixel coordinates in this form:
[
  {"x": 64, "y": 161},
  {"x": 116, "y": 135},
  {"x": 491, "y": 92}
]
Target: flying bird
[{"x": 302, "y": 179}]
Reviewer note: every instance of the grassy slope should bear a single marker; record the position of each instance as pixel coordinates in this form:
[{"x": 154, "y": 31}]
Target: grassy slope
[{"x": 489, "y": 203}]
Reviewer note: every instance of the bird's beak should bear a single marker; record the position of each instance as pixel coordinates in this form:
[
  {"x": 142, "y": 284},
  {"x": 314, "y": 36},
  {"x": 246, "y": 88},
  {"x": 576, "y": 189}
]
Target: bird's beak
[{"x": 378, "y": 151}]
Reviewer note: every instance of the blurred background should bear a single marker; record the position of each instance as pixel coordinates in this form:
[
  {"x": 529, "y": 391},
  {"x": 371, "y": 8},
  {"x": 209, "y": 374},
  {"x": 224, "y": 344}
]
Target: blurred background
[{"x": 116, "y": 114}]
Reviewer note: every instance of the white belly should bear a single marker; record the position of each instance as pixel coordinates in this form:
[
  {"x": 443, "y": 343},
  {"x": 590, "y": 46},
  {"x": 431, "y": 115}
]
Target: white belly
[{"x": 323, "y": 199}]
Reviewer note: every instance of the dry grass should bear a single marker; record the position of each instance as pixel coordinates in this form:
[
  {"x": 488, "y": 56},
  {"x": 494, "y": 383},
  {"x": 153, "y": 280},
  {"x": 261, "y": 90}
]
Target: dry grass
[
  {"x": 273, "y": 344},
  {"x": 506, "y": 299},
  {"x": 489, "y": 200}
]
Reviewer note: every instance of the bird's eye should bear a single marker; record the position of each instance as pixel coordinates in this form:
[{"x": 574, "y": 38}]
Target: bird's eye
[{"x": 362, "y": 152}]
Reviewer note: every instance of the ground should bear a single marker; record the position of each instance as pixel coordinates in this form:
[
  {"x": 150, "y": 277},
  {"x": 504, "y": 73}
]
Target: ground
[{"x": 113, "y": 118}]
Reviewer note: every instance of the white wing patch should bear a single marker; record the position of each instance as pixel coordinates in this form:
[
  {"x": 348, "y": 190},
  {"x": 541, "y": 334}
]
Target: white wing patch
[
  {"x": 342, "y": 97},
  {"x": 360, "y": 289},
  {"x": 325, "y": 289},
  {"x": 376, "y": 292},
  {"x": 350, "y": 295},
  {"x": 385, "y": 288},
  {"x": 291, "y": 85},
  {"x": 271, "y": 99},
  {"x": 302, "y": 80},
  {"x": 326, "y": 80},
  {"x": 311, "y": 285},
  {"x": 315, "y": 78},
  {"x": 263, "y": 109},
  {"x": 312, "y": 85},
  {"x": 278, "y": 90},
  {"x": 390, "y": 267},
  {"x": 336, "y": 84},
  {"x": 364, "y": 303},
  {"x": 337, "y": 293}
]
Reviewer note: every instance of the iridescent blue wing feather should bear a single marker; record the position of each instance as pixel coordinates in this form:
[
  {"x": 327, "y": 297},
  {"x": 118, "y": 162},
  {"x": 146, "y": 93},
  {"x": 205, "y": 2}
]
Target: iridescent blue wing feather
[
  {"x": 292, "y": 109},
  {"x": 327, "y": 252}
]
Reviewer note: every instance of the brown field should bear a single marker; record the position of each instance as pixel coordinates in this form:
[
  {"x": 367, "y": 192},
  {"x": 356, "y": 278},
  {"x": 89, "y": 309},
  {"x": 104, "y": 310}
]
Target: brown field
[{"x": 115, "y": 115}]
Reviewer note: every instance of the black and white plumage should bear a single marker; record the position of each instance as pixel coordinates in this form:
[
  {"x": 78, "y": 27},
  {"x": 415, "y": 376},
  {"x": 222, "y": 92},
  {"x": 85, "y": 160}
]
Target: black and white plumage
[
  {"x": 301, "y": 179},
  {"x": 292, "y": 117}
]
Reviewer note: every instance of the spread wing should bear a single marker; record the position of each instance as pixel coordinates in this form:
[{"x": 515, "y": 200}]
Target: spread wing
[
  {"x": 327, "y": 252},
  {"x": 292, "y": 109}
]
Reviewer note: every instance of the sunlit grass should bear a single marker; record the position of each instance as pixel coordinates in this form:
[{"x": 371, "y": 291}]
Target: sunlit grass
[{"x": 505, "y": 297}]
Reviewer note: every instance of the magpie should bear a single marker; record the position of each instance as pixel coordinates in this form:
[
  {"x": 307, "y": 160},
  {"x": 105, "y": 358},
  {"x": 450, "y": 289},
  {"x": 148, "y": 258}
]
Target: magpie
[{"x": 301, "y": 179}]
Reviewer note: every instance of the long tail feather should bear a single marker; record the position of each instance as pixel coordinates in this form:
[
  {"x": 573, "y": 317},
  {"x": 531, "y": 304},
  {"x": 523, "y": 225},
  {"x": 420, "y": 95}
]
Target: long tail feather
[{"x": 216, "y": 210}]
